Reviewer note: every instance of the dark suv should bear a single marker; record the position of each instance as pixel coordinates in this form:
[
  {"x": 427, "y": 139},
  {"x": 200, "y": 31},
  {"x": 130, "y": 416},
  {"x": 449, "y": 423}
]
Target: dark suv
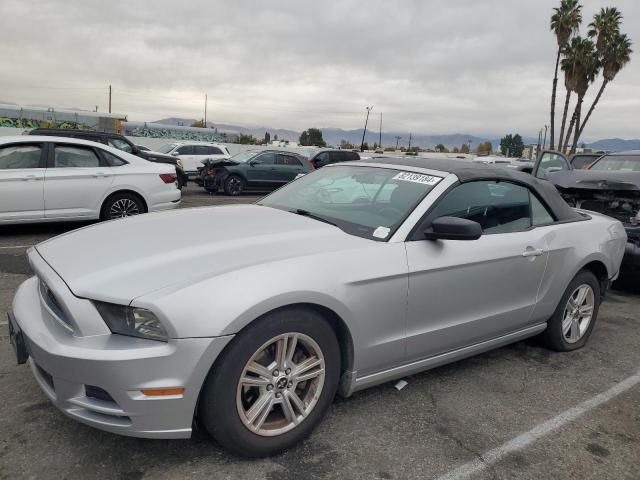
[
  {"x": 325, "y": 157},
  {"x": 116, "y": 141}
]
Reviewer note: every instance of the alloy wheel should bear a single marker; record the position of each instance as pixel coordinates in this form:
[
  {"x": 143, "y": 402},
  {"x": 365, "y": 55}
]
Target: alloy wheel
[
  {"x": 123, "y": 207},
  {"x": 235, "y": 185},
  {"x": 280, "y": 384},
  {"x": 578, "y": 313}
]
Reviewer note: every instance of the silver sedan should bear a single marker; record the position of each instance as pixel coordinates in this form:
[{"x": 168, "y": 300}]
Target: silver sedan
[{"x": 252, "y": 317}]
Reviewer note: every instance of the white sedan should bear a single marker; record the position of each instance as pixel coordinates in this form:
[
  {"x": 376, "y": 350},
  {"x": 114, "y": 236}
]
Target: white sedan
[{"x": 54, "y": 178}]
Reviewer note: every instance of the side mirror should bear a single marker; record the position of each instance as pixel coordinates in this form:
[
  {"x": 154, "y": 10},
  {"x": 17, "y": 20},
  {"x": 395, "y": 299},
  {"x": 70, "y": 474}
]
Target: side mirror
[
  {"x": 174, "y": 154},
  {"x": 453, "y": 228},
  {"x": 253, "y": 163}
]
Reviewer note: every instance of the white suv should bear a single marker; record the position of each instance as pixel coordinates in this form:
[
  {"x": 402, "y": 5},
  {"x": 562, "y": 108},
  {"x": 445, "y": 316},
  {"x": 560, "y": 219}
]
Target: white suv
[{"x": 193, "y": 153}]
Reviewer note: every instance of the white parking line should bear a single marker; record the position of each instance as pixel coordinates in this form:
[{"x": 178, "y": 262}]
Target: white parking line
[
  {"x": 15, "y": 246},
  {"x": 493, "y": 456}
]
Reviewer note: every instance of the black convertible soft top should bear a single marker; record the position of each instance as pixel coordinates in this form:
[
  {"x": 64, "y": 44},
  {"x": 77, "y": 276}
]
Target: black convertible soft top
[{"x": 468, "y": 171}]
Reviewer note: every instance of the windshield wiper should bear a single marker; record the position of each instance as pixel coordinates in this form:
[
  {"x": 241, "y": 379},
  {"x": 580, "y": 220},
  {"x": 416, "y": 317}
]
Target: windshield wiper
[{"x": 307, "y": 213}]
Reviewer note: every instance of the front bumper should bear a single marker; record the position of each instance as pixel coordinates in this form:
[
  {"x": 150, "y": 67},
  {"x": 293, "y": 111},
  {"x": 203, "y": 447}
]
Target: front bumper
[{"x": 69, "y": 367}]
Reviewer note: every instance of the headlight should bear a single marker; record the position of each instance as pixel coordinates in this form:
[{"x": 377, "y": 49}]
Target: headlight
[
  {"x": 180, "y": 164},
  {"x": 132, "y": 321}
]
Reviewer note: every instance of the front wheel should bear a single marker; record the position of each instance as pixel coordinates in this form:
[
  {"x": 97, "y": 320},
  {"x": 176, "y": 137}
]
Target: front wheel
[
  {"x": 574, "y": 319},
  {"x": 273, "y": 384}
]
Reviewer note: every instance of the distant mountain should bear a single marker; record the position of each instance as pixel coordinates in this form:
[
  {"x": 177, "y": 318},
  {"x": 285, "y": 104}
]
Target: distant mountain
[
  {"x": 333, "y": 136},
  {"x": 615, "y": 145}
]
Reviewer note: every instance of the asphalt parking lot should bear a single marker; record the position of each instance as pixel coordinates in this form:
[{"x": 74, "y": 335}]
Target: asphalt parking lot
[{"x": 520, "y": 412}]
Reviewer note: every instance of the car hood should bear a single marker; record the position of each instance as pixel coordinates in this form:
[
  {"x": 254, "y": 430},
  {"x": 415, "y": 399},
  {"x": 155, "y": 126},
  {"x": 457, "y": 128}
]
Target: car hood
[
  {"x": 120, "y": 260},
  {"x": 595, "y": 180}
]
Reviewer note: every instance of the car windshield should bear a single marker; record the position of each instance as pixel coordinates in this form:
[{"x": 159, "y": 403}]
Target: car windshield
[
  {"x": 369, "y": 202},
  {"x": 623, "y": 163},
  {"x": 243, "y": 157},
  {"x": 167, "y": 148}
]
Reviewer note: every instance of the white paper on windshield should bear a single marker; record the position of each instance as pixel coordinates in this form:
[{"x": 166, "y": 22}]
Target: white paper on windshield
[
  {"x": 381, "y": 232},
  {"x": 417, "y": 178}
]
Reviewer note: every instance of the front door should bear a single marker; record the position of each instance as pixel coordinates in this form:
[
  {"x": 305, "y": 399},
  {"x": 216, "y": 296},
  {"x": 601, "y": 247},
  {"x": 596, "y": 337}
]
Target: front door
[
  {"x": 261, "y": 171},
  {"x": 22, "y": 170},
  {"x": 465, "y": 292},
  {"x": 75, "y": 182},
  {"x": 287, "y": 167},
  {"x": 550, "y": 161}
]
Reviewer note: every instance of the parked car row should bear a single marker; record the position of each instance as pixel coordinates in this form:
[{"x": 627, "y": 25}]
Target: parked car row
[
  {"x": 263, "y": 170},
  {"x": 46, "y": 178}
]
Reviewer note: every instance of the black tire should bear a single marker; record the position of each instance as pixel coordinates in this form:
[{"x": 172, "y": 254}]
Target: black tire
[
  {"x": 110, "y": 206},
  {"x": 218, "y": 411},
  {"x": 553, "y": 337},
  {"x": 234, "y": 185}
]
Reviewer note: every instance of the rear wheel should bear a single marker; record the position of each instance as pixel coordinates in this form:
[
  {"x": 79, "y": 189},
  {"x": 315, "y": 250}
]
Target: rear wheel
[
  {"x": 121, "y": 205},
  {"x": 273, "y": 384},
  {"x": 574, "y": 319},
  {"x": 234, "y": 185}
]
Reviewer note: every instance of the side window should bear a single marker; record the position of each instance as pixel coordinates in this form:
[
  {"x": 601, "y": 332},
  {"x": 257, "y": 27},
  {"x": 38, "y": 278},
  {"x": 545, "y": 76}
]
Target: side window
[
  {"x": 201, "y": 150},
  {"x": 112, "y": 160},
  {"x": 287, "y": 160},
  {"x": 335, "y": 157},
  {"x": 20, "y": 156},
  {"x": 266, "y": 158},
  {"x": 75, "y": 157},
  {"x": 551, "y": 162},
  {"x": 539, "y": 213},
  {"x": 499, "y": 207},
  {"x": 352, "y": 156},
  {"x": 321, "y": 159},
  {"x": 185, "y": 150},
  {"x": 120, "y": 144},
  {"x": 580, "y": 162},
  {"x": 214, "y": 151}
]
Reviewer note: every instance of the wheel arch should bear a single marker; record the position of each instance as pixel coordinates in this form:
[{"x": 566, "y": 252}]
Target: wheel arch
[{"x": 600, "y": 270}]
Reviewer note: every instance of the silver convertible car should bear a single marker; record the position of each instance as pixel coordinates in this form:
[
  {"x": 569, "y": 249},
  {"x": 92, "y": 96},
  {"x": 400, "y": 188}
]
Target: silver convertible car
[{"x": 250, "y": 318}]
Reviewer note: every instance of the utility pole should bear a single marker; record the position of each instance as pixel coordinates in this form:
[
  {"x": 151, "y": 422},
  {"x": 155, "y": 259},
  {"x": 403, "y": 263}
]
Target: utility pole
[
  {"x": 544, "y": 142},
  {"x": 205, "y": 111},
  {"x": 397, "y": 140},
  {"x": 380, "y": 138},
  {"x": 409, "y": 142},
  {"x": 469, "y": 142},
  {"x": 109, "y": 99},
  {"x": 365, "y": 127},
  {"x": 539, "y": 140}
]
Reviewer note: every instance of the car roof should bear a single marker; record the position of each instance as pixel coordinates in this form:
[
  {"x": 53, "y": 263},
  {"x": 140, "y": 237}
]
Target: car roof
[
  {"x": 628, "y": 152},
  {"x": 467, "y": 171},
  {"x": 194, "y": 142}
]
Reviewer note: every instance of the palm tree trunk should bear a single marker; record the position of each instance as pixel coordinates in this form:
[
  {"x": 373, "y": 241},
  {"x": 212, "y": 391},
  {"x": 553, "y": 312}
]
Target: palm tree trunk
[
  {"x": 553, "y": 99},
  {"x": 577, "y": 135},
  {"x": 564, "y": 119},
  {"x": 593, "y": 106},
  {"x": 569, "y": 132}
]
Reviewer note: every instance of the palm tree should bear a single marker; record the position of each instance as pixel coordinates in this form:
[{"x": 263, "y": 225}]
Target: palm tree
[
  {"x": 605, "y": 25},
  {"x": 564, "y": 22},
  {"x": 583, "y": 58},
  {"x": 615, "y": 57},
  {"x": 569, "y": 66}
]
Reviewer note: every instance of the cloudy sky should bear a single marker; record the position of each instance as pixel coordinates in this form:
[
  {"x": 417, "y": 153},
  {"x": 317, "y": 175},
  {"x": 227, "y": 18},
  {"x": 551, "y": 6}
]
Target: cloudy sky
[{"x": 430, "y": 66}]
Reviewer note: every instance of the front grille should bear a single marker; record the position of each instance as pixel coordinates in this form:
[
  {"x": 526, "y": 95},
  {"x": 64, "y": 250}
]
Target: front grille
[{"x": 97, "y": 393}]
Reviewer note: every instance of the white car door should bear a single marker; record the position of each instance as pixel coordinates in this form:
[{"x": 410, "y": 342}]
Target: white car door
[
  {"x": 190, "y": 161},
  {"x": 22, "y": 170},
  {"x": 466, "y": 292},
  {"x": 76, "y": 182}
]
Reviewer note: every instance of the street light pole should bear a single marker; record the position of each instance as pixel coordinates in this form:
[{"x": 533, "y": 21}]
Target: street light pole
[
  {"x": 397, "y": 140},
  {"x": 365, "y": 127},
  {"x": 380, "y": 138},
  {"x": 544, "y": 142}
]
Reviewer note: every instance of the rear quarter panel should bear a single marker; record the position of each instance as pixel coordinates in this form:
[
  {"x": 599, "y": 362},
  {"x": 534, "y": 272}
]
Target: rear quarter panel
[{"x": 573, "y": 245}]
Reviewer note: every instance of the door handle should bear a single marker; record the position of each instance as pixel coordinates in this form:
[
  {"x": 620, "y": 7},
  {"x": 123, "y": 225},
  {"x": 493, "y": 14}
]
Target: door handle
[
  {"x": 100, "y": 174},
  {"x": 30, "y": 177},
  {"x": 532, "y": 252}
]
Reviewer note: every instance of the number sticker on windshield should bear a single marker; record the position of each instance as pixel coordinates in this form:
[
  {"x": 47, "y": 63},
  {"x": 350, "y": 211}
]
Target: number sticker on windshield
[{"x": 417, "y": 178}]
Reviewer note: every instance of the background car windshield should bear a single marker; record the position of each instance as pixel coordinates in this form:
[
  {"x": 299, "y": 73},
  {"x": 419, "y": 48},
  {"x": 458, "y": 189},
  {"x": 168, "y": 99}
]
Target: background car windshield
[
  {"x": 167, "y": 148},
  {"x": 365, "y": 201},
  {"x": 243, "y": 157},
  {"x": 628, "y": 163}
]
